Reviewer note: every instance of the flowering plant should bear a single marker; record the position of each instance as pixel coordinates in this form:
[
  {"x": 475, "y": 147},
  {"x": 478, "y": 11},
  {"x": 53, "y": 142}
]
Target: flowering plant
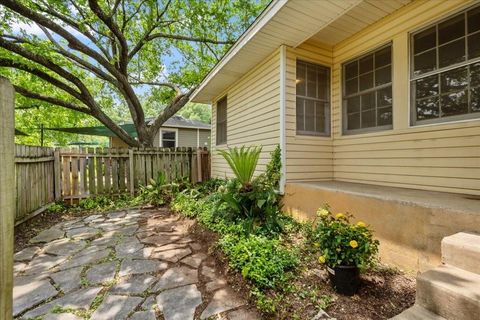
[{"x": 343, "y": 243}]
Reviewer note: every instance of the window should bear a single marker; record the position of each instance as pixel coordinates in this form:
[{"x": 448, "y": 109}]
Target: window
[
  {"x": 168, "y": 138},
  {"x": 445, "y": 70},
  {"x": 222, "y": 121},
  {"x": 367, "y": 92},
  {"x": 313, "y": 99}
]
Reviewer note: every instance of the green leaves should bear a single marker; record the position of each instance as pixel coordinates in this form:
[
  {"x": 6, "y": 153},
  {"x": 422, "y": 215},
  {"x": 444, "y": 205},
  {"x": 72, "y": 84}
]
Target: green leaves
[{"x": 243, "y": 162}]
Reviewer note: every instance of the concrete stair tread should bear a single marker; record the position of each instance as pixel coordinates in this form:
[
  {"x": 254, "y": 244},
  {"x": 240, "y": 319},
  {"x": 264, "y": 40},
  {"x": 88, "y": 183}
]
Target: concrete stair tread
[
  {"x": 455, "y": 280},
  {"x": 462, "y": 250},
  {"x": 417, "y": 313}
]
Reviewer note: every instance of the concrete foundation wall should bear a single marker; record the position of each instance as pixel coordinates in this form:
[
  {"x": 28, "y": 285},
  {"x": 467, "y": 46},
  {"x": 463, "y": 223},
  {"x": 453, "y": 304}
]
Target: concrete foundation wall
[{"x": 410, "y": 224}]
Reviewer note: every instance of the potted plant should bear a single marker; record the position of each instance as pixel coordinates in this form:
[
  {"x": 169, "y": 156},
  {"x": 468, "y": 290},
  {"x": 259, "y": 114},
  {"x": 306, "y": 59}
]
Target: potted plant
[{"x": 346, "y": 248}]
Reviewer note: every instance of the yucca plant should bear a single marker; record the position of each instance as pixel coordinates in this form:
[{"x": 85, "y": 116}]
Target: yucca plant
[{"x": 243, "y": 162}]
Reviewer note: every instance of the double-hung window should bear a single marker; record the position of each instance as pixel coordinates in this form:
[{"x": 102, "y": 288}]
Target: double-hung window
[
  {"x": 445, "y": 70},
  {"x": 168, "y": 138},
  {"x": 367, "y": 92},
  {"x": 313, "y": 99},
  {"x": 221, "y": 131}
]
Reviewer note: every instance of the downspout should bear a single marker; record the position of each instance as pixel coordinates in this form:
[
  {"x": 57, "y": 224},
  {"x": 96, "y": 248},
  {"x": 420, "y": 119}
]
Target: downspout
[{"x": 283, "y": 144}]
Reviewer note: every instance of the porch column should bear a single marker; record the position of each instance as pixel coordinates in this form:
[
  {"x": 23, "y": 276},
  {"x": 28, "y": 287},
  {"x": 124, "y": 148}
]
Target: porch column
[{"x": 7, "y": 196}]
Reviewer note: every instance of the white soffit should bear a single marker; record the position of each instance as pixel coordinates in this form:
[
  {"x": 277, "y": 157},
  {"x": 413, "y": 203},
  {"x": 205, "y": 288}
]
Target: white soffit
[{"x": 291, "y": 22}]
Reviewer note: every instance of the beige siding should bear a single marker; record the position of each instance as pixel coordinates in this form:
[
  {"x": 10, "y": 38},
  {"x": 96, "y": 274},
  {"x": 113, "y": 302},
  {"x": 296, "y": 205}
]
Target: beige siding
[
  {"x": 205, "y": 138},
  {"x": 309, "y": 158},
  {"x": 186, "y": 138},
  {"x": 253, "y": 114}
]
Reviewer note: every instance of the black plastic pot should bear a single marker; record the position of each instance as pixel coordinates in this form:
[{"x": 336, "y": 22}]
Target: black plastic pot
[{"x": 345, "y": 279}]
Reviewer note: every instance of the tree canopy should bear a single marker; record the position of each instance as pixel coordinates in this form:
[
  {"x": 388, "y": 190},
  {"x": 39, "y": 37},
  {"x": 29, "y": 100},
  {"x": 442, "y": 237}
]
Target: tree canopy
[{"x": 110, "y": 58}]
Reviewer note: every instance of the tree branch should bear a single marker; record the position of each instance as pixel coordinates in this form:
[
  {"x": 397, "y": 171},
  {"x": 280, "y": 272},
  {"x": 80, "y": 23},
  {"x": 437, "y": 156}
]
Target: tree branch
[{"x": 160, "y": 84}]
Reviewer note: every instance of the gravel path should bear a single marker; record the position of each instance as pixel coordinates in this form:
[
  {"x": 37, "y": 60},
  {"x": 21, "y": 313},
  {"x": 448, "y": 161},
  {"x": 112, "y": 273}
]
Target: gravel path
[{"x": 129, "y": 264}]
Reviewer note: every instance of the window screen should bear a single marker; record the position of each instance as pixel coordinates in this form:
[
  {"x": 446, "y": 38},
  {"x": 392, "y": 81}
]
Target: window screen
[
  {"x": 169, "y": 139},
  {"x": 221, "y": 121}
]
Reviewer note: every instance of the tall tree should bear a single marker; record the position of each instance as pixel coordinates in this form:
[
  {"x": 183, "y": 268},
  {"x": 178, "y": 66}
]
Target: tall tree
[{"x": 109, "y": 57}]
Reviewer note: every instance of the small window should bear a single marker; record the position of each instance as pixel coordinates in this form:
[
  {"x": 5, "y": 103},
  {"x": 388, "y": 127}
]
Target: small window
[
  {"x": 367, "y": 92},
  {"x": 169, "y": 138},
  {"x": 313, "y": 99},
  {"x": 222, "y": 121},
  {"x": 445, "y": 70}
]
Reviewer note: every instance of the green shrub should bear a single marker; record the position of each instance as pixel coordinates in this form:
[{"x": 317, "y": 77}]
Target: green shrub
[
  {"x": 159, "y": 192},
  {"x": 243, "y": 162},
  {"x": 57, "y": 207},
  {"x": 344, "y": 243},
  {"x": 104, "y": 203}
]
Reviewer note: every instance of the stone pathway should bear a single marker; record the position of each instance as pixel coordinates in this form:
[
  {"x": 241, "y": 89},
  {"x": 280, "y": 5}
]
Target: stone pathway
[{"x": 128, "y": 264}]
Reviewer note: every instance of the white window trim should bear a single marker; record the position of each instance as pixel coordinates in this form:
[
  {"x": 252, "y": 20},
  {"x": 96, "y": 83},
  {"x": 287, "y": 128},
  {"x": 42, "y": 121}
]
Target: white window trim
[{"x": 160, "y": 139}]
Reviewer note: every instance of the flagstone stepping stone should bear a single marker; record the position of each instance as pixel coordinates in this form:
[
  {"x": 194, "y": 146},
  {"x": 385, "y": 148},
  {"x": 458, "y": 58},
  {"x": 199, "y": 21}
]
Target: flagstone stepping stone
[
  {"x": 128, "y": 246},
  {"x": 92, "y": 217},
  {"x": 116, "y": 307},
  {"x": 104, "y": 241},
  {"x": 64, "y": 247},
  {"x": 84, "y": 233},
  {"x": 149, "y": 303},
  {"x": 223, "y": 300},
  {"x": 128, "y": 230},
  {"x": 72, "y": 226},
  {"x": 160, "y": 240},
  {"x": 171, "y": 246},
  {"x": 141, "y": 266},
  {"x": 101, "y": 273},
  {"x": 29, "y": 291},
  {"x": 195, "y": 260},
  {"x": 171, "y": 255},
  {"x": 144, "y": 315},
  {"x": 185, "y": 240},
  {"x": 215, "y": 284},
  {"x": 43, "y": 263},
  {"x": 116, "y": 214},
  {"x": 179, "y": 303},
  {"x": 176, "y": 277},
  {"x": 19, "y": 267},
  {"x": 68, "y": 280},
  {"x": 48, "y": 235},
  {"x": 83, "y": 259},
  {"x": 134, "y": 285},
  {"x": 80, "y": 299},
  {"x": 26, "y": 254},
  {"x": 61, "y": 316},
  {"x": 196, "y": 246},
  {"x": 208, "y": 272},
  {"x": 243, "y": 314},
  {"x": 107, "y": 226}
]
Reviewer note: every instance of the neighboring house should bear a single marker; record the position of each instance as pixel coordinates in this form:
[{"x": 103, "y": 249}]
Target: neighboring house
[
  {"x": 177, "y": 132},
  {"x": 376, "y": 107}
]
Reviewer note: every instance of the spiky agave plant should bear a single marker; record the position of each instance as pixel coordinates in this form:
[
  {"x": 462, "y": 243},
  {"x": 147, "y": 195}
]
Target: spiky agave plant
[{"x": 243, "y": 162}]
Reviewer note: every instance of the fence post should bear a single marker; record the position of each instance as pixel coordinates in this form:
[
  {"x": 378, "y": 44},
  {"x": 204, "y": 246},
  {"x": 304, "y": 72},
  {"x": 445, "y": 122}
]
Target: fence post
[
  {"x": 199, "y": 165},
  {"x": 132, "y": 174},
  {"x": 57, "y": 175},
  {"x": 7, "y": 196}
]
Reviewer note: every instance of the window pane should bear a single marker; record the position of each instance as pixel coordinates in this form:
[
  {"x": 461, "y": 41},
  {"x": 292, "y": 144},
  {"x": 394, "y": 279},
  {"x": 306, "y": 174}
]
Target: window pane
[
  {"x": 475, "y": 100},
  {"x": 451, "y": 29},
  {"x": 426, "y": 87},
  {"x": 353, "y": 104},
  {"x": 366, "y": 81},
  {"x": 473, "y": 18},
  {"x": 451, "y": 53},
  {"x": 474, "y": 46},
  {"x": 366, "y": 64},
  {"x": 427, "y": 108},
  {"x": 454, "y": 80},
  {"x": 368, "y": 119},
  {"x": 424, "y": 40},
  {"x": 309, "y": 115},
  {"x": 353, "y": 121},
  {"x": 384, "y": 116},
  {"x": 351, "y": 86},
  {"x": 301, "y": 81},
  {"x": 311, "y": 81},
  {"x": 384, "y": 97},
  {"x": 300, "y": 113},
  {"x": 383, "y": 57},
  {"x": 351, "y": 70},
  {"x": 170, "y": 135},
  {"x": 425, "y": 62},
  {"x": 319, "y": 116},
  {"x": 168, "y": 144},
  {"x": 383, "y": 75},
  {"x": 454, "y": 103},
  {"x": 475, "y": 74},
  {"x": 323, "y": 83},
  {"x": 368, "y": 101}
]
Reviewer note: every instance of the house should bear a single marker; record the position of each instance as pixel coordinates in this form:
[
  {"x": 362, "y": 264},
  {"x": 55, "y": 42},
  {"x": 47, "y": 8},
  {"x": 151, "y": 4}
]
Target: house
[{"x": 376, "y": 107}]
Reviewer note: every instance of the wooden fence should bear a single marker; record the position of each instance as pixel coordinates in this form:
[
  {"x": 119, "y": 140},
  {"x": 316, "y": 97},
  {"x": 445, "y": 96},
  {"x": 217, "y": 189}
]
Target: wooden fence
[{"x": 48, "y": 174}]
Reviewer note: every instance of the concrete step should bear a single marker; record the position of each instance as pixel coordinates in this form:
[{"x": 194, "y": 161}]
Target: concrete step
[
  {"x": 450, "y": 292},
  {"x": 417, "y": 313},
  {"x": 462, "y": 250}
]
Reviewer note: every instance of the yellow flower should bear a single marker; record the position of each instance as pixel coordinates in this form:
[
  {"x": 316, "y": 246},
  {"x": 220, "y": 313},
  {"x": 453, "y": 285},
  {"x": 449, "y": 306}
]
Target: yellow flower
[
  {"x": 316, "y": 244},
  {"x": 353, "y": 244},
  {"x": 339, "y": 216},
  {"x": 322, "y": 212},
  {"x": 361, "y": 224},
  {"x": 321, "y": 259}
]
